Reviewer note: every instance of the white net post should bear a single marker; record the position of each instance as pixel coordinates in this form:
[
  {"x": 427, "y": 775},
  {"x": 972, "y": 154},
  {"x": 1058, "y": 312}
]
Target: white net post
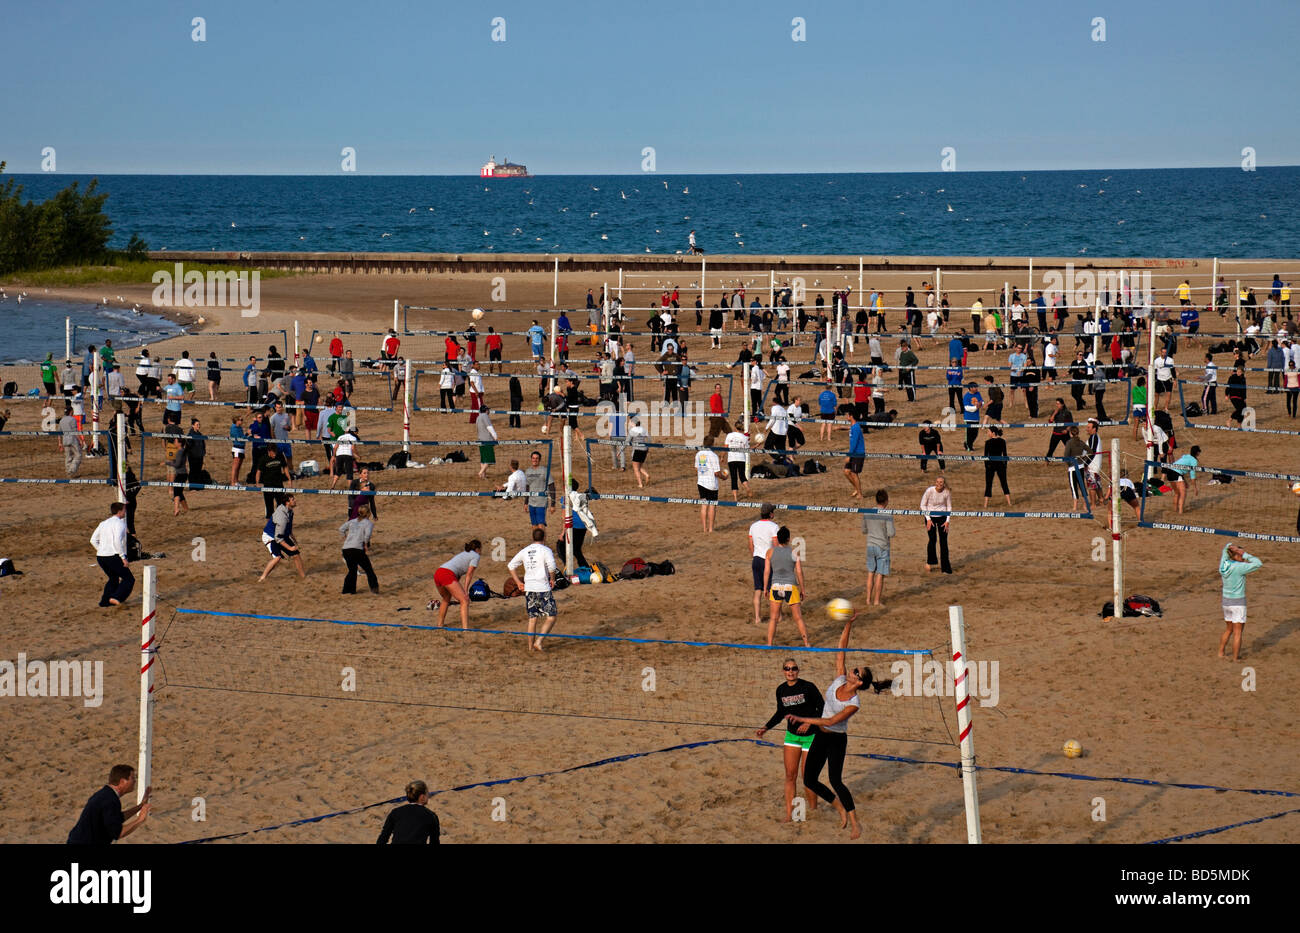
[
  {"x": 554, "y": 326},
  {"x": 620, "y": 285},
  {"x": 297, "y": 343},
  {"x": 67, "y": 338},
  {"x": 1116, "y": 539},
  {"x": 1147, "y": 472},
  {"x": 1096, "y": 332},
  {"x": 1006, "y": 309},
  {"x": 1214, "y": 284},
  {"x": 568, "y": 514},
  {"x": 703, "y": 269},
  {"x": 395, "y": 309},
  {"x": 604, "y": 312},
  {"x": 748, "y": 415},
  {"x": 94, "y": 403},
  {"x": 555, "y": 285},
  {"x": 406, "y": 409},
  {"x": 1238, "y": 304},
  {"x": 120, "y": 454},
  {"x": 148, "y": 627},
  {"x": 839, "y": 326},
  {"x": 961, "y": 683},
  {"x": 859, "y": 278},
  {"x": 1029, "y": 289}
]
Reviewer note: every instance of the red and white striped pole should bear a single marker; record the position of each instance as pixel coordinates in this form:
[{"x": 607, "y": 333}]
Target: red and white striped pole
[
  {"x": 569, "y": 562},
  {"x": 406, "y": 409},
  {"x": 148, "y": 654},
  {"x": 961, "y": 683},
  {"x": 1117, "y": 539}
]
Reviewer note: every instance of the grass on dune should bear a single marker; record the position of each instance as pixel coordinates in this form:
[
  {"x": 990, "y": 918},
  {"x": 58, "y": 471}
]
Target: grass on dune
[{"x": 121, "y": 272}]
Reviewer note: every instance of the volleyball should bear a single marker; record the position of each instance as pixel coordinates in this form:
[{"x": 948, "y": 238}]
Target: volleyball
[
  {"x": 477, "y": 314},
  {"x": 758, "y": 438},
  {"x": 1295, "y": 489},
  {"x": 1072, "y": 749},
  {"x": 841, "y": 610}
]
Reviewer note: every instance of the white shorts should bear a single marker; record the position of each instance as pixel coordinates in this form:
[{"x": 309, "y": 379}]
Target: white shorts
[{"x": 1235, "y": 614}]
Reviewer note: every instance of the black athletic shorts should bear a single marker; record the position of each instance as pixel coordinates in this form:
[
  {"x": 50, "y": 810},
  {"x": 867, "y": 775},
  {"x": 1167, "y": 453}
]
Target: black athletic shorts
[
  {"x": 854, "y": 464},
  {"x": 709, "y": 494},
  {"x": 1164, "y": 387},
  {"x": 494, "y": 356},
  {"x": 638, "y": 456},
  {"x": 758, "y": 565}
]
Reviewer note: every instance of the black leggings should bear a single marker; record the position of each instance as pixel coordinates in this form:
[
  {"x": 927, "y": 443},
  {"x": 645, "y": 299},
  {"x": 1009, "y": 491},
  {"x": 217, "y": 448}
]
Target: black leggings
[
  {"x": 579, "y": 535},
  {"x": 1291, "y": 397},
  {"x": 357, "y": 559},
  {"x": 999, "y": 470},
  {"x": 828, "y": 747}
]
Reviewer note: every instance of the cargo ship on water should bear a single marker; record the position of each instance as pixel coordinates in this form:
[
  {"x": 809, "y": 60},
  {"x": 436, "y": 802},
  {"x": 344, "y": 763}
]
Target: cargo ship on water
[{"x": 506, "y": 169}]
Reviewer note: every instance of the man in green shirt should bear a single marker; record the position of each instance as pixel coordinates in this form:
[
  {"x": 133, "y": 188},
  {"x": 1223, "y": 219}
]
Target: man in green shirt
[
  {"x": 907, "y": 362},
  {"x": 49, "y": 375}
]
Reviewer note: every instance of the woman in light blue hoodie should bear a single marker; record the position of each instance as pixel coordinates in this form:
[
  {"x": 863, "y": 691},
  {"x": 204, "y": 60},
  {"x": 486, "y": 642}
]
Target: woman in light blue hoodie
[{"x": 1234, "y": 564}]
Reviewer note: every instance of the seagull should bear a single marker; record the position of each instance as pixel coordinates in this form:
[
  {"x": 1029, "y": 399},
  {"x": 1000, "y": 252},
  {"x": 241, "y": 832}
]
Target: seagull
[
  {"x": 686, "y": 191},
  {"x": 487, "y": 189},
  {"x": 1118, "y": 222},
  {"x": 302, "y": 238},
  {"x": 383, "y": 235},
  {"x": 594, "y": 188},
  {"x": 485, "y": 233},
  {"x": 593, "y": 214},
  {"x": 516, "y": 231},
  {"x": 604, "y": 236},
  {"x": 430, "y": 208},
  {"x": 647, "y": 249},
  {"x": 563, "y": 209},
  {"x": 622, "y": 195},
  {"x": 665, "y": 186},
  {"x": 232, "y": 223},
  {"x": 738, "y": 183},
  {"x": 411, "y": 211},
  {"x": 530, "y": 202},
  {"x": 941, "y": 191},
  {"x": 736, "y": 235},
  {"x": 949, "y": 208},
  {"x": 801, "y": 226}
]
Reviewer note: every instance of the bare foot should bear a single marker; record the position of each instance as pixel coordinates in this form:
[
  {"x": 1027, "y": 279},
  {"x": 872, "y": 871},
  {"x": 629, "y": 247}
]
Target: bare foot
[
  {"x": 857, "y": 831},
  {"x": 114, "y": 602}
]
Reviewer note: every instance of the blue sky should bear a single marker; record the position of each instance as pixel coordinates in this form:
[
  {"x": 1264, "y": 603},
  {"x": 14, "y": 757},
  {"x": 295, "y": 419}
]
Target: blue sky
[{"x": 581, "y": 86}]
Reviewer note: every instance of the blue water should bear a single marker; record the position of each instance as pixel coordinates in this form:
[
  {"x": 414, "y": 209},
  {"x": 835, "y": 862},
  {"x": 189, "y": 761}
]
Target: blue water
[
  {"x": 35, "y": 326},
  {"x": 1138, "y": 212}
]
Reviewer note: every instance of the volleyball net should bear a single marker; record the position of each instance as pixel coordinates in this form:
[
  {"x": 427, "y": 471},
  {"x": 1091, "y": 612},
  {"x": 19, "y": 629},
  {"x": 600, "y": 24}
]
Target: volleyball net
[
  {"x": 230, "y": 346},
  {"x": 581, "y": 676},
  {"x": 1233, "y": 503},
  {"x": 1039, "y": 488}
]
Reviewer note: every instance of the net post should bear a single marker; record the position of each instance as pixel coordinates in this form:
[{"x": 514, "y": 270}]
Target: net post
[
  {"x": 1096, "y": 331},
  {"x": 1214, "y": 284},
  {"x": 604, "y": 313},
  {"x": 1116, "y": 539},
  {"x": 555, "y": 285},
  {"x": 297, "y": 342},
  {"x": 1029, "y": 290},
  {"x": 148, "y": 654},
  {"x": 859, "y": 278},
  {"x": 120, "y": 454},
  {"x": 1006, "y": 309},
  {"x": 620, "y": 285},
  {"x": 94, "y": 403},
  {"x": 67, "y": 337},
  {"x": 395, "y": 310},
  {"x": 554, "y": 326},
  {"x": 406, "y": 410},
  {"x": 1151, "y": 399},
  {"x": 703, "y": 267},
  {"x": 839, "y": 326},
  {"x": 957, "y": 624},
  {"x": 1238, "y": 307},
  {"x": 748, "y": 414},
  {"x": 568, "y": 515}
]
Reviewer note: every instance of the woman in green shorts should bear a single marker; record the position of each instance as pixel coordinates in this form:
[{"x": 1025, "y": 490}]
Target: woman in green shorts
[{"x": 800, "y": 698}]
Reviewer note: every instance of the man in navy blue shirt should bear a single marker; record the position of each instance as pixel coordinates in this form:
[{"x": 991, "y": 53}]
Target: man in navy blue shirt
[
  {"x": 857, "y": 456},
  {"x": 103, "y": 821},
  {"x": 1040, "y": 305},
  {"x": 971, "y": 404},
  {"x": 954, "y": 374}
]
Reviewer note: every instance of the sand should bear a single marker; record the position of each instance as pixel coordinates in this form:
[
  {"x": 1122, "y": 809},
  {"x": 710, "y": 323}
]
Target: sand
[{"x": 1146, "y": 698}]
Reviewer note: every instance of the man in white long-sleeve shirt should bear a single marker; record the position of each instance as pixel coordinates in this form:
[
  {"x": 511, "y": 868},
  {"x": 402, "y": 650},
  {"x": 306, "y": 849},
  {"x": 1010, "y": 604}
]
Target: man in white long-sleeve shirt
[
  {"x": 516, "y": 484},
  {"x": 109, "y": 541},
  {"x": 538, "y": 562}
]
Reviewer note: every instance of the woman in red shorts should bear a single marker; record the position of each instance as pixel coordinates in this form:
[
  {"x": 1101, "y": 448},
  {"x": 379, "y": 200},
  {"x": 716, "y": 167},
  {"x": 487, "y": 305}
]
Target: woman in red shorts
[{"x": 453, "y": 579}]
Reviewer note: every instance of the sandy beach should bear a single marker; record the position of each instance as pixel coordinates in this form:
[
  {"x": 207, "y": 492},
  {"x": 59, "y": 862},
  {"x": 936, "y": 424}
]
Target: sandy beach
[{"x": 1146, "y": 698}]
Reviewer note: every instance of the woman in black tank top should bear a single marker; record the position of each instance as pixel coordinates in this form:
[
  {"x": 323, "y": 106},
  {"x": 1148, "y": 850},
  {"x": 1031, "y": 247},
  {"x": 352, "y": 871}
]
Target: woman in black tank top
[{"x": 799, "y": 698}]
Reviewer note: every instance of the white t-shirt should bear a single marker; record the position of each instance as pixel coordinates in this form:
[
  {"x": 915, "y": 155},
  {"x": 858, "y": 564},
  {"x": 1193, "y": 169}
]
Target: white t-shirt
[
  {"x": 1211, "y": 373},
  {"x": 343, "y": 446},
  {"x": 794, "y": 414},
  {"x": 783, "y": 372},
  {"x": 538, "y": 562},
  {"x": 1164, "y": 369},
  {"x": 184, "y": 370},
  {"x": 777, "y": 424},
  {"x": 517, "y": 484},
  {"x": 706, "y": 469},
  {"x": 763, "y": 532},
  {"x": 756, "y": 377},
  {"x": 834, "y": 706},
  {"x": 737, "y": 444},
  {"x": 1049, "y": 355}
]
